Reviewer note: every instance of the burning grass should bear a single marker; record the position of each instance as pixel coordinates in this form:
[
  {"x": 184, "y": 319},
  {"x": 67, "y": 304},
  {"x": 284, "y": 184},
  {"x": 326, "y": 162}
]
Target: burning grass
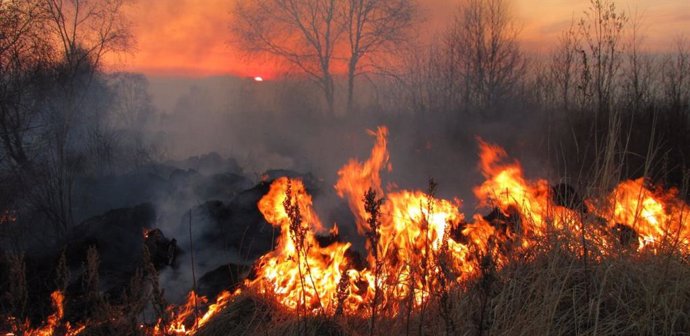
[
  {"x": 630, "y": 294},
  {"x": 611, "y": 264}
]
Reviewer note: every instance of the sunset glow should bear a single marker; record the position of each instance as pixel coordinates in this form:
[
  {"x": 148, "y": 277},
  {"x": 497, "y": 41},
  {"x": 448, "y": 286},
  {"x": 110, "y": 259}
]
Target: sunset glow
[{"x": 192, "y": 38}]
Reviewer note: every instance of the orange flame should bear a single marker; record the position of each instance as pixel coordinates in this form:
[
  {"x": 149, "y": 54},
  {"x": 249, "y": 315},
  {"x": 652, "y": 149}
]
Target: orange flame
[
  {"x": 414, "y": 233},
  {"x": 357, "y": 177},
  {"x": 655, "y": 215},
  {"x": 54, "y": 322},
  {"x": 186, "y": 319},
  {"x": 424, "y": 244},
  {"x": 305, "y": 276}
]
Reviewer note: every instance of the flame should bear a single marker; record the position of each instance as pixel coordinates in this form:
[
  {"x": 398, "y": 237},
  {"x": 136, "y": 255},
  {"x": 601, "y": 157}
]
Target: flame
[
  {"x": 221, "y": 301},
  {"x": 322, "y": 279},
  {"x": 656, "y": 216},
  {"x": 415, "y": 233},
  {"x": 357, "y": 177},
  {"x": 423, "y": 244},
  {"x": 53, "y": 323},
  {"x": 299, "y": 276},
  {"x": 187, "y": 319},
  {"x": 506, "y": 188}
]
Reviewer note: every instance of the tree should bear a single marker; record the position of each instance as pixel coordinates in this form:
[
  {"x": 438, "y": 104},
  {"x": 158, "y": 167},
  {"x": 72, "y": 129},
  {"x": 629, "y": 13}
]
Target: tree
[
  {"x": 318, "y": 35},
  {"x": 483, "y": 40},
  {"x": 675, "y": 81},
  {"x": 373, "y": 27},
  {"x": 23, "y": 58},
  {"x": 638, "y": 74},
  {"x": 563, "y": 67},
  {"x": 129, "y": 119},
  {"x": 301, "y": 32},
  {"x": 24, "y": 54},
  {"x": 50, "y": 56},
  {"x": 84, "y": 31},
  {"x": 601, "y": 32},
  {"x": 601, "y": 35}
]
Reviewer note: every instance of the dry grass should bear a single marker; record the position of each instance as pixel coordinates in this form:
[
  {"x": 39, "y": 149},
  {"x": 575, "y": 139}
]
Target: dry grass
[
  {"x": 252, "y": 314},
  {"x": 631, "y": 294}
]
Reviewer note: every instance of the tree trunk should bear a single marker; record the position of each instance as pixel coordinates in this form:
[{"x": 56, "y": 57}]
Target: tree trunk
[
  {"x": 351, "y": 84},
  {"x": 329, "y": 93}
]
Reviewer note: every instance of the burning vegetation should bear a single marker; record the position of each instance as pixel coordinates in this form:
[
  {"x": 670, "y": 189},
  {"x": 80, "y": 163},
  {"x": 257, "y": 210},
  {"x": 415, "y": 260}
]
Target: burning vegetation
[
  {"x": 105, "y": 228},
  {"x": 426, "y": 262}
]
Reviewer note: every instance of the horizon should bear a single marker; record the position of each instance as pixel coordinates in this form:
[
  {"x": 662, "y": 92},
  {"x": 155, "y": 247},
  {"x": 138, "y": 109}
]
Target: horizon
[{"x": 192, "y": 40}]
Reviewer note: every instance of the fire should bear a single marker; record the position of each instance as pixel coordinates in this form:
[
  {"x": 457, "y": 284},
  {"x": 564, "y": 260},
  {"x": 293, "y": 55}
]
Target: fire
[
  {"x": 357, "y": 177},
  {"x": 655, "y": 215},
  {"x": 221, "y": 301},
  {"x": 298, "y": 272},
  {"x": 418, "y": 245},
  {"x": 414, "y": 231},
  {"x": 183, "y": 314},
  {"x": 505, "y": 187},
  {"x": 53, "y": 324},
  {"x": 415, "y": 254},
  {"x": 186, "y": 319}
]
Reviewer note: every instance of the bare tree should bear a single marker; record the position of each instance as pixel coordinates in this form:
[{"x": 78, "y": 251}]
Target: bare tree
[
  {"x": 133, "y": 106},
  {"x": 83, "y": 31},
  {"x": 302, "y": 32},
  {"x": 490, "y": 63},
  {"x": 564, "y": 66},
  {"x": 374, "y": 27},
  {"x": 129, "y": 117},
  {"x": 50, "y": 54},
  {"x": 318, "y": 35},
  {"x": 429, "y": 83},
  {"x": 24, "y": 52},
  {"x": 638, "y": 74},
  {"x": 24, "y": 59},
  {"x": 601, "y": 36},
  {"x": 675, "y": 80}
]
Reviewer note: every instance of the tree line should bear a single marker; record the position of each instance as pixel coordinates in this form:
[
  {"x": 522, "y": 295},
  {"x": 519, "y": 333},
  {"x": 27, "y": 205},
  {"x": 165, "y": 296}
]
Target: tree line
[
  {"x": 611, "y": 107},
  {"x": 61, "y": 115}
]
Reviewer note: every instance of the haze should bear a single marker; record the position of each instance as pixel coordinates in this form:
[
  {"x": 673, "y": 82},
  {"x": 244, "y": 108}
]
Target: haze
[{"x": 192, "y": 38}]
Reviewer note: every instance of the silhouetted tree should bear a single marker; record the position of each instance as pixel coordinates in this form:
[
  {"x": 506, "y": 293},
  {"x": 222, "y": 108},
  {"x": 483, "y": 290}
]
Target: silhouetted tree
[
  {"x": 489, "y": 63},
  {"x": 53, "y": 95},
  {"x": 316, "y": 35},
  {"x": 301, "y": 32},
  {"x": 374, "y": 28}
]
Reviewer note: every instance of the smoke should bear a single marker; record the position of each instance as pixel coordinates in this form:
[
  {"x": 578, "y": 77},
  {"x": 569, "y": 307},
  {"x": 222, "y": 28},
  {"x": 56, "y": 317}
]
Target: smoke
[
  {"x": 217, "y": 137},
  {"x": 279, "y": 124}
]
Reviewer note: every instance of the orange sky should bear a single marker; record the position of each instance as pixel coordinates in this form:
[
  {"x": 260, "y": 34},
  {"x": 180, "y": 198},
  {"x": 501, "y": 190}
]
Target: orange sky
[{"x": 191, "y": 37}]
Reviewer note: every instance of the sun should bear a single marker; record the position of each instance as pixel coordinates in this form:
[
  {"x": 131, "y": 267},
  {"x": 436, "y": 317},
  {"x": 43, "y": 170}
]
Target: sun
[{"x": 258, "y": 79}]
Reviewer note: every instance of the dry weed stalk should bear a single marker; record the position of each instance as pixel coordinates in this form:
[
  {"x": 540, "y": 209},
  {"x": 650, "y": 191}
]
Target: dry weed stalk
[{"x": 372, "y": 205}]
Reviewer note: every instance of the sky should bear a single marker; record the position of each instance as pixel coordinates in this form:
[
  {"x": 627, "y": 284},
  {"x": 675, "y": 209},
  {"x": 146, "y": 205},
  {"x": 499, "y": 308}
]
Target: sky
[{"x": 192, "y": 37}]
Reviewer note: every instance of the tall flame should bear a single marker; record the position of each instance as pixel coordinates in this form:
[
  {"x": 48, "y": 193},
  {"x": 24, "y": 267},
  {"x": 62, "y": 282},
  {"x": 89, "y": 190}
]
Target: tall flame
[
  {"x": 305, "y": 276},
  {"x": 54, "y": 323},
  {"x": 358, "y": 177}
]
